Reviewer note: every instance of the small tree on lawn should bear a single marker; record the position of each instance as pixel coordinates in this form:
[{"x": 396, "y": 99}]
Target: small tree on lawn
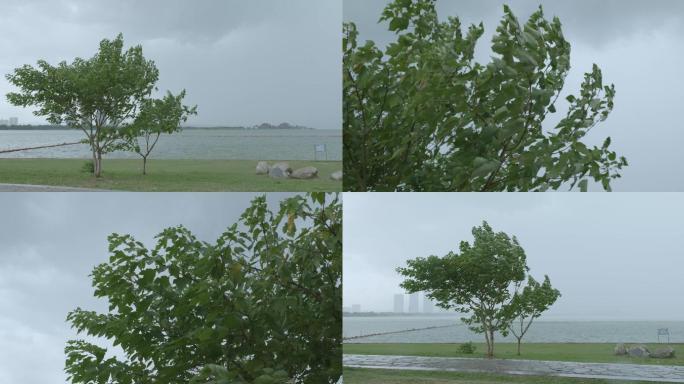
[
  {"x": 157, "y": 116},
  {"x": 529, "y": 304},
  {"x": 478, "y": 280}
]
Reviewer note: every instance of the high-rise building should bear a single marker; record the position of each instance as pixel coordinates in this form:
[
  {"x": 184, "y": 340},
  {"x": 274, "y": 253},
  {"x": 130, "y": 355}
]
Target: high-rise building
[
  {"x": 428, "y": 307},
  {"x": 356, "y": 308},
  {"x": 4, "y": 122},
  {"x": 414, "y": 301},
  {"x": 399, "y": 303},
  {"x": 13, "y": 121}
]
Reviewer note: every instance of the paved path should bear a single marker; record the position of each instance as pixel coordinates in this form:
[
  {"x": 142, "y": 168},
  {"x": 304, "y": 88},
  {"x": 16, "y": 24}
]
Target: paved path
[
  {"x": 656, "y": 373},
  {"x": 44, "y": 188}
]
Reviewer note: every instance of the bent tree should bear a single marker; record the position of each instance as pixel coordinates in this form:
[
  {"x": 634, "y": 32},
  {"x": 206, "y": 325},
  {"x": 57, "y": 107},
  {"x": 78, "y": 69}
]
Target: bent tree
[
  {"x": 529, "y": 304},
  {"x": 481, "y": 280},
  {"x": 260, "y": 305},
  {"x": 157, "y": 116},
  {"x": 423, "y": 115},
  {"x": 100, "y": 96}
]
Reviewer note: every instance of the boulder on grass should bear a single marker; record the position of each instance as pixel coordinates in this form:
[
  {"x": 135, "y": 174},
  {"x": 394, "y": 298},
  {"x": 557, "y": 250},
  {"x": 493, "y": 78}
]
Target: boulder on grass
[
  {"x": 277, "y": 173},
  {"x": 305, "y": 173},
  {"x": 638, "y": 351},
  {"x": 280, "y": 170},
  {"x": 620, "y": 349},
  {"x": 663, "y": 353},
  {"x": 262, "y": 168},
  {"x": 337, "y": 176}
]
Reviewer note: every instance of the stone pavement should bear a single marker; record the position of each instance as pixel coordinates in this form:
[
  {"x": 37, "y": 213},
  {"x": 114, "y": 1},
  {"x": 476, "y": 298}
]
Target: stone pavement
[
  {"x": 655, "y": 373},
  {"x": 43, "y": 188}
]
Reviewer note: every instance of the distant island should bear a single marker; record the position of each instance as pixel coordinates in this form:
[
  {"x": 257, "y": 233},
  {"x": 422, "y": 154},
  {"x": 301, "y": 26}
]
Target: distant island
[
  {"x": 30, "y": 127},
  {"x": 260, "y": 126},
  {"x": 395, "y": 314}
]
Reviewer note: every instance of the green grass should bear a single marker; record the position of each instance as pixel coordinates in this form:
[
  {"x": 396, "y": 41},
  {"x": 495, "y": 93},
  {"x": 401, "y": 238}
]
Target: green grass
[
  {"x": 165, "y": 175},
  {"x": 382, "y": 376},
  {"x": 580, "y": 352}
]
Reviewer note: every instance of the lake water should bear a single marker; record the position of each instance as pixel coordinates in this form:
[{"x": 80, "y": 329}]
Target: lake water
[
  {"x": 226, "y": 144},
  {"x": 539, "y": 332}
]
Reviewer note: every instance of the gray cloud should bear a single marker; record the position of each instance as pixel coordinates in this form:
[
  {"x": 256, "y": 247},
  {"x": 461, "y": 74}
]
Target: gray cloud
[
  {"x": 638, "y": 46},
  {"x": 49, "y": 244},
  {"x": 242, "y": 62},
  {"x": 613, "y": 256},
  {"x": 590, "y": 21}
]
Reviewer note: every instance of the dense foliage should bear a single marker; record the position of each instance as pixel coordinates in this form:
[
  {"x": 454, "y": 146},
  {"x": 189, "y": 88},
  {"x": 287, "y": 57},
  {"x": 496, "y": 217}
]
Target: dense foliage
[
  {"x": 483, "y": 280},
  {"x": 422, "y": 115},
  {"x": 100, "y": 96},
  {"x": 261, "y": 305}
]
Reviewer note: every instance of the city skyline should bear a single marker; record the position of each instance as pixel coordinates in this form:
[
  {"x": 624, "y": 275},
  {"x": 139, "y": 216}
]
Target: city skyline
[
  {"x": 11, "y": 121},
  {"x": 416, "y": 305}
]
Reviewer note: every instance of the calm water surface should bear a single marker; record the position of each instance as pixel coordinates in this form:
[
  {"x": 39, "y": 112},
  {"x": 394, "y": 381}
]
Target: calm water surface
[
  {"x": 226, "y": 144},
  {"x": 541, "y": 331}
]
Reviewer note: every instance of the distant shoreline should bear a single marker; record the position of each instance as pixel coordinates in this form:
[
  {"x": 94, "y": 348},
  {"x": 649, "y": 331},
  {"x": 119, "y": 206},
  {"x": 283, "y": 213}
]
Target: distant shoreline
[{"x": 63, "y": 128}]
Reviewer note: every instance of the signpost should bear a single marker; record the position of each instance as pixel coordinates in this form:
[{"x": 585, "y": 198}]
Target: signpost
[
  {"x": 664, "y": 332},
  {"x": 320, "y": 151}
]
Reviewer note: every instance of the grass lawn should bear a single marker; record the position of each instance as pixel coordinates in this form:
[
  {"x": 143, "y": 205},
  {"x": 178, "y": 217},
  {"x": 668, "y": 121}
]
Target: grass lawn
[
  {"x": 382, "y": 376},
  {"x": 165, "y": 175},
  {"x": 580, "y": 352}
]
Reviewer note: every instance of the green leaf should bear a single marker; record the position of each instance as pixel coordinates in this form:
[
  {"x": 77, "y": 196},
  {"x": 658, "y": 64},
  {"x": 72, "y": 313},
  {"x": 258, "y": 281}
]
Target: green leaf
[
  {"x": 484, "y": 168},
  {"x": 583, "y": 185},
  {"x": 398, "y": 24}
]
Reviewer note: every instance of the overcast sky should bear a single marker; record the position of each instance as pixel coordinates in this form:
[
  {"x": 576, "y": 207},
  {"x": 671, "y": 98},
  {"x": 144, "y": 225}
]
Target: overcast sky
[
  {"x": 49, "y": 244},
  {"x": 638, "y": 46},
  {"x": 612, "y": 256},
  {"x": 242, "y": 62}
]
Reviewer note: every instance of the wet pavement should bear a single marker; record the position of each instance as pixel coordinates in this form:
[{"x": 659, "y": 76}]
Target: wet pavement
[
  {"x": 43, "y": 188},
  {"x": 655, "y": 373}
]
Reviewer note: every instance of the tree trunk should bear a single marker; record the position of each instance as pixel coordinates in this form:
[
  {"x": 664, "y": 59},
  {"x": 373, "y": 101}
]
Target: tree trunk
[
  {"x": 519, "y": 339},
  {"x": 491, "y": 338},
  {"x": 144, "y": 165},
  {"x": 98, "y": 164},
  {"x": 94, "y": 161}
]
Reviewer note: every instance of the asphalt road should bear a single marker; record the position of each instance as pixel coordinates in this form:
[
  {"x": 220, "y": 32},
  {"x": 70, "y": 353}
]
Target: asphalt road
[
  {"x": 43, "y": 188},
  {"x": 624, "y": 372}
]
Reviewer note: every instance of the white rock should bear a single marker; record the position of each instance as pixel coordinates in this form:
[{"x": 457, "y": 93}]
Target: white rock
[
  {"x": 663, "y": 353},
  {"x": 305, "y": 173},
  {"x": 262, "y": 168},
  {"x": 337, "y": 176}
]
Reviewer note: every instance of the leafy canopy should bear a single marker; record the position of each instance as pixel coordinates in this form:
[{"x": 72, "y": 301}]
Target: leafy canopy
[
  {"x": 422, "y": 115},
  {"x": 260, "y": 305}
]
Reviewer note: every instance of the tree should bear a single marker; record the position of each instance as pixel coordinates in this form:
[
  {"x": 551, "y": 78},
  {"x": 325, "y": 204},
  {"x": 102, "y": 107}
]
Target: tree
[
  {"x": 261, "y": 305},
  {"x": 529, "y": 304},
  {"x": 422, "y": 115},
  {"x": 156, "y": 116},
  {"x": 475, "y": 281},
  {"x": 100, "y": 96}
]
